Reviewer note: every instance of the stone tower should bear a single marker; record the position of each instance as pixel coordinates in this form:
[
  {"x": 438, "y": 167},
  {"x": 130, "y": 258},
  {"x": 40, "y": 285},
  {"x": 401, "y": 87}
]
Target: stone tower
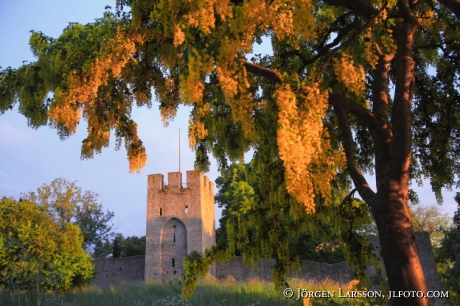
[{"x": 180, "y": 220}]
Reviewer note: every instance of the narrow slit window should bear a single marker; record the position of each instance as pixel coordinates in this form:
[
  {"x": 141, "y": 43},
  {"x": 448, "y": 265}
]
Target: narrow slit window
[
  {"x": 174, "y": 238},
  {"x": 173, "y": 262},
  {"x": 186, "y": 209},
  {"x": 161, "y": 211}
]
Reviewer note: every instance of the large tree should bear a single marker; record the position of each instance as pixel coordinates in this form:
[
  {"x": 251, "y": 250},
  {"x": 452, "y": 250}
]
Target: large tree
[
  {"x": 66, "y": 202},
  {"x": 361, "y": 86},
  {"x": 431, "y": 220}
]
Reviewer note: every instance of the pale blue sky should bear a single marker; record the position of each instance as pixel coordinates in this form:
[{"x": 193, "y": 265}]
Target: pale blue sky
[{"x": 29, "y": 158}]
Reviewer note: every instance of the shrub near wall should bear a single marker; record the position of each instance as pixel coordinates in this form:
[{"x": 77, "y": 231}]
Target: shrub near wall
[{"x": 36, "y": 252}]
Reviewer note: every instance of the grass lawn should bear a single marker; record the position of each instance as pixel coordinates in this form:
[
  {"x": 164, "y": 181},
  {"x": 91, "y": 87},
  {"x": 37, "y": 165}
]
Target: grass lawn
[{"x": 209, "y": 292}]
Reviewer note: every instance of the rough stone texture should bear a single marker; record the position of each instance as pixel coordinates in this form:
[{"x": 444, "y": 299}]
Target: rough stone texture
[
  {"x": 190, "y": 209},
  {"x": 114, "y": 271},
  {"x": 425, "y": 251},
  {"x": 173, "y": 248},
  {"x": 311, "y": 271}
]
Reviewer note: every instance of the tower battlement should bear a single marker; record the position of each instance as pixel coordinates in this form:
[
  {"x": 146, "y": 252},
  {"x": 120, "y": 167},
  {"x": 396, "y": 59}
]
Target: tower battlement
[
  {"x": 180, "y": 220},
  {"x": 194, "y": 180}
]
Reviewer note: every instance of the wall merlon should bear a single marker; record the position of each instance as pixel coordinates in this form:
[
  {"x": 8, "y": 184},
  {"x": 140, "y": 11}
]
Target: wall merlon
[
  {"x": 193, "y": 178},
  {"x": 174, "y": 180},
  {"x": 155, "y": 182}
]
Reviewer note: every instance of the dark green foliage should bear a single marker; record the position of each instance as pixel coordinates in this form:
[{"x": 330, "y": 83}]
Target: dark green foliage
[
  {"x": 194, "y": 268},
  {"x": 36, "y": 252},
  {"x": 129, "y": 246},
  {"x": 449, "y": 253},
  {"x": 235, "y": 196},
  {"x": 311, "y": 248},
  {"x": 103, "y": 249},
  {"x": 117, "y": 246},
  {"x": 134, "y": 246}
]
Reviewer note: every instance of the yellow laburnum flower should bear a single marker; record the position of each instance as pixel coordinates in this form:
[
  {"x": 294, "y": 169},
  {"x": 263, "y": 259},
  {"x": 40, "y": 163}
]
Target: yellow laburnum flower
[
  {"x": 137, "y": 162},
  {"x": 179, "y": 36},
  {"x": 350, "y": 75},
  {"x": 300, "y": 140}
]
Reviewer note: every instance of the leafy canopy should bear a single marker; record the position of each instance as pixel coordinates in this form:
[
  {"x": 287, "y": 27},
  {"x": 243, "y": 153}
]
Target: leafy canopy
[
  {"x": 129, "y": 246},
  {"x": 37, "y": 252}
]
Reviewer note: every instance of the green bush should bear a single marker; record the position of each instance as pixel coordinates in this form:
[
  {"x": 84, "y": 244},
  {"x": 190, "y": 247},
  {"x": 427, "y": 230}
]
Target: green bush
[{"x": 38, "y": 253}]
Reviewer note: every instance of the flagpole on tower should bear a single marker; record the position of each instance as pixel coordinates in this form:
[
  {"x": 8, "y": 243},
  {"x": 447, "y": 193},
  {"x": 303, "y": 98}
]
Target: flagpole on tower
[{"x": 179, "y": 149}]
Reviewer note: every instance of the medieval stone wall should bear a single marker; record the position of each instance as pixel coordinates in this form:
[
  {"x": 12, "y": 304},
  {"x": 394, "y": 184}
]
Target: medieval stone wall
[
  {"x": 425, "y": 253},
  {"x": 112, "y": 271},
  {"x": 310, "y": 271}
]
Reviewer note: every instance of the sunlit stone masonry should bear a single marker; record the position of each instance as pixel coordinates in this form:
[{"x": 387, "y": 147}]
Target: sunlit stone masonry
[{"x": 180, "y": 220}]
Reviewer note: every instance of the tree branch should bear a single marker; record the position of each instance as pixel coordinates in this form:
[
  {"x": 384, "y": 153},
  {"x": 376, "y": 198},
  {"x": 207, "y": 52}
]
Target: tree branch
[
  {"x": 351, "y": 39},
  {"x": 341, "y": 34},
  {"x": 271, "y": 75},
  {"x": 382, "y": 133},
  {"x": 334, "y": 28},
  {"x": 405, "y": 75},
  {"x": 363, "y": 115},
  {"x": 380, "y": 85},
  {"x": 294, "y": 53},
  {"x": 361, "y": 7},
  {"x": 353, "y": 169}
]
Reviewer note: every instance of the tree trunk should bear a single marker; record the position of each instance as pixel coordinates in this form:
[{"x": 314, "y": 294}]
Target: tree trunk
[
  {"x": 391, "y": 211},
  {"x": 392, "y": 152},
  {"x": 397, "y": 243}
]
